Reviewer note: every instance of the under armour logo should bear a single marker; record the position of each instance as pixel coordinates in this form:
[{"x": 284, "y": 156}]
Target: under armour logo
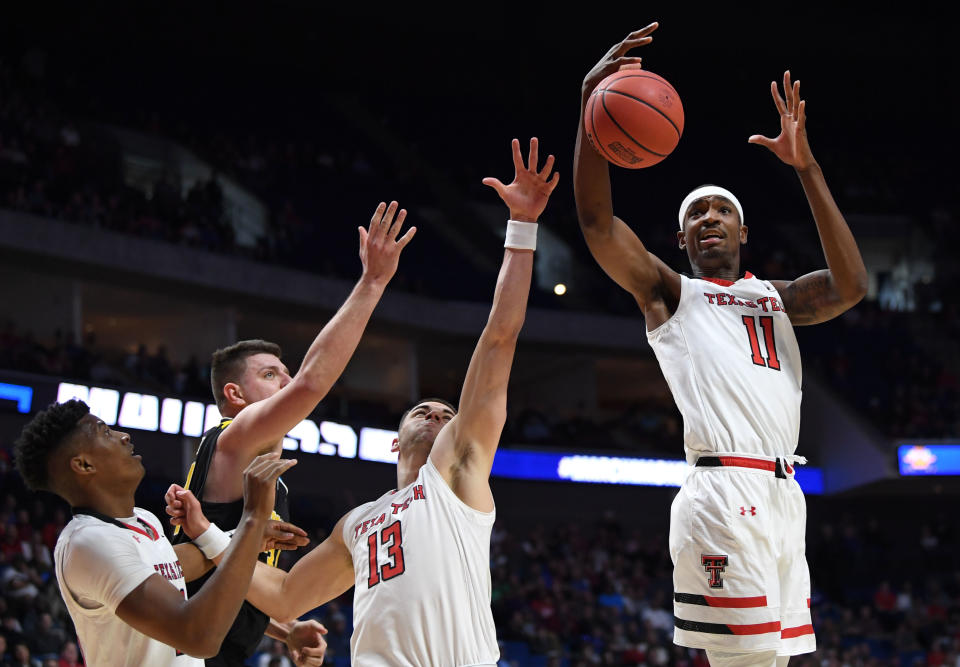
[
  {"x": 752, "y": 510},
  {"x": 714, "y": 565}
]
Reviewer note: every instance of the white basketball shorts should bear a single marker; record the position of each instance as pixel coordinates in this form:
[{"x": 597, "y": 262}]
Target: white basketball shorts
[{"x": 737, "y": 539}]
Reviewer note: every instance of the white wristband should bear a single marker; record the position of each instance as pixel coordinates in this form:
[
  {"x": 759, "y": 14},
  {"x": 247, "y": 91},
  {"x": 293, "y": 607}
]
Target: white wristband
[
  {"x": 212, "y": 542},
  {"x": 521, "y": 235}
]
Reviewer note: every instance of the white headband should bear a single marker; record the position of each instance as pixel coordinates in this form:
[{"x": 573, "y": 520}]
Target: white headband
[{"x": 708, "y": 191}]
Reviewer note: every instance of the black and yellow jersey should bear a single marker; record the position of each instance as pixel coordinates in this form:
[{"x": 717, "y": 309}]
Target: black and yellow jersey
[{"x": 248, "y": 628}]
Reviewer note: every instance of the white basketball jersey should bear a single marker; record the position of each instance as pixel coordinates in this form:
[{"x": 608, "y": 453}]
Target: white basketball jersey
[
  {"x": 98, "y": 564},
  {"x": 732, "y": 362},
  {"x": 421, "y": 559}
]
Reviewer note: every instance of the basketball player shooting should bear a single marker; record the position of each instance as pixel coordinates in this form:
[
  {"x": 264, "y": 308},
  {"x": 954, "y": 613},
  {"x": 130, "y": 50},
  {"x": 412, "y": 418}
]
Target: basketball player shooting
[
  {"x": 419, "y": 557},
  {"x": 122, "y": 581},
  {"x": 261, "y": 403},
  {"x": 725, "y": 344}
]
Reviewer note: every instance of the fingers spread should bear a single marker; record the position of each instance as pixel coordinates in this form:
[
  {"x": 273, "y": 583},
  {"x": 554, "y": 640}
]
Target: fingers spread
[
  {"x": 377, "y": 216},
  {"x": 761, "y": 140},
  {"x": 496, "y": 184},
  {"x": 397, "y": 224},
  {"x": 547, "y": 167},
  {"x": 383, "y": 227},
  {"x": 406, "y": 238},
  {"x": 517, "y": 158},
  {"x": 781, "y": 107},
  {"x": 553, "y": 181}
]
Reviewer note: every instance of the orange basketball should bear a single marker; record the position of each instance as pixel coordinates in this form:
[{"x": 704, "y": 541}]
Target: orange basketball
[{"x": 634, "y": 118}]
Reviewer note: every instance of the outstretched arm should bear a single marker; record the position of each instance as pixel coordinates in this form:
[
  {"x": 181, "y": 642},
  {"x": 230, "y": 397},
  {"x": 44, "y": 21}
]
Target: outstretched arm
[
  {"x": 821, "y": 295},
  {"x": 197, "y": 626},
  {"x": 265, "y": 422},
  {"x": 323, "y": 574},
  {"x": 612, "y": 243},
  {"x": 464, "y": 449}
]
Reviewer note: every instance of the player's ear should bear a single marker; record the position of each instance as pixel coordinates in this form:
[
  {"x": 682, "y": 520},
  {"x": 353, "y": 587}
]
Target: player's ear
[
  {"x": 395, "y": 445},
  {"x": 82, "y": 464},
  {"x": 743, "y": 234},
  {"x": 234, "y": 394},
  {"x": 681, "y": 239}
]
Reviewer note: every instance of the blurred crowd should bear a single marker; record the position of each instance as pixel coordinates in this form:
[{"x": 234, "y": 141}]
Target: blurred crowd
[{"x": 572, "y": 594}]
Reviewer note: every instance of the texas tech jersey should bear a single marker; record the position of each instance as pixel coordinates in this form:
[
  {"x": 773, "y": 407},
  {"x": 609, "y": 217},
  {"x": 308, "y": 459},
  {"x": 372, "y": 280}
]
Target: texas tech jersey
[
  {"x": 732, "y": 362},
  {"x": 421, "y": 561},
  {"x": 99, "y": 562}
]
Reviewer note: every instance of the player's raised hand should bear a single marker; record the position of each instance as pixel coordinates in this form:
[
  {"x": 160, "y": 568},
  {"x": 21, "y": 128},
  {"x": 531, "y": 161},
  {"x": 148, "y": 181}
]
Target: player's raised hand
[
  {"x": 379, "y": 246},
  {"x": 306, "y": 643},
  {"x": 527, "y": 195},
  {"x": 617, "y": 58},
  {"x": 791, "y": 146},
  {"x": 260, "y": 483}
]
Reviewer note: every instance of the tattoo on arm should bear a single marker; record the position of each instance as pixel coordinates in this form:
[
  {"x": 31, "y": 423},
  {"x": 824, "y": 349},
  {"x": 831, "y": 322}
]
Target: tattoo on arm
[{"x": 812, "y": 299}]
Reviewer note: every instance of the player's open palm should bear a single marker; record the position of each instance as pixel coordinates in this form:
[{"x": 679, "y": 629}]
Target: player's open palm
[
  {"x": 791, "y": 146},
  {"x": 379, "y": 246},
  {"x": 260, "y": 482},
  {"x": 527, "y": 195}
]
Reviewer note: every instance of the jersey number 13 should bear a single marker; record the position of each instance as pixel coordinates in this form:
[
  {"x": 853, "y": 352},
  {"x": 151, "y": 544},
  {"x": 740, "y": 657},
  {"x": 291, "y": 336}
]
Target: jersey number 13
[{"x": 392, "y": 538}]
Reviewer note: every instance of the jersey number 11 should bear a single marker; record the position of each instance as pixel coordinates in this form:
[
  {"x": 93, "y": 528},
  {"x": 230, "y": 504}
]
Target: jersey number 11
[{"x": 769, "y": 343}]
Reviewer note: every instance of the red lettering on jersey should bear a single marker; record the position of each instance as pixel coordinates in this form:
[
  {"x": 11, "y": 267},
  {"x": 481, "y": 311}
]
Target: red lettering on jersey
[
  {"x": 710, "y": 297},
  {"x": 396, "y": 507},
  {"x": 380, "y": 519},
  {"x": 721, "y": 299},
  {"x": 763, "y": 302},
  {"x": 775, "y": 304},
  {"x": 750, "y": 304},
  {"x": 418, "y": 492}
]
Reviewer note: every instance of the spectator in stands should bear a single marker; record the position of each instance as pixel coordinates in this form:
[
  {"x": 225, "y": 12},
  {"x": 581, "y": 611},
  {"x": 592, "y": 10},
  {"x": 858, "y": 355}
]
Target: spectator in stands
[
  {"x": 69, "y": 655},
  {"x": 22, "y": 657},
  {"x": 46, "y": 639},
  {"x": 276, "y": 655}
]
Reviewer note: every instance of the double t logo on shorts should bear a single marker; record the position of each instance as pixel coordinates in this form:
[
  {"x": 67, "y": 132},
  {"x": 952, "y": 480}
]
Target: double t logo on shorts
[{"x": 714, "y": 565}]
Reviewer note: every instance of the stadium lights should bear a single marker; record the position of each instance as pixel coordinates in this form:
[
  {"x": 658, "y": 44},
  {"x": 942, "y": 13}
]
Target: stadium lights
[{"x": 147, "y": 412}]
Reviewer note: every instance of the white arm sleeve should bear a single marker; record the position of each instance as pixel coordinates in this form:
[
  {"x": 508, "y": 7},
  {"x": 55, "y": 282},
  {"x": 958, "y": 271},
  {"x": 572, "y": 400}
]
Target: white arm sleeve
[{"x": 101, "y": 568}]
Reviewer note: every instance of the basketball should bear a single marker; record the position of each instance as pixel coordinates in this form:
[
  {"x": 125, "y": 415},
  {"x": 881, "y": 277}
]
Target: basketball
[{"x": 634, "y": 118}]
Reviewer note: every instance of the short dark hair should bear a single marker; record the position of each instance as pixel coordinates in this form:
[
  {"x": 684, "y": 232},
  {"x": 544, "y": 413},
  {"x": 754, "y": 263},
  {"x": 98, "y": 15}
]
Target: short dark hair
[
  {"x": 229, "y": 363},
  {"x": 427, "y": 400},
  {"x": 43, "y": 436}
]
